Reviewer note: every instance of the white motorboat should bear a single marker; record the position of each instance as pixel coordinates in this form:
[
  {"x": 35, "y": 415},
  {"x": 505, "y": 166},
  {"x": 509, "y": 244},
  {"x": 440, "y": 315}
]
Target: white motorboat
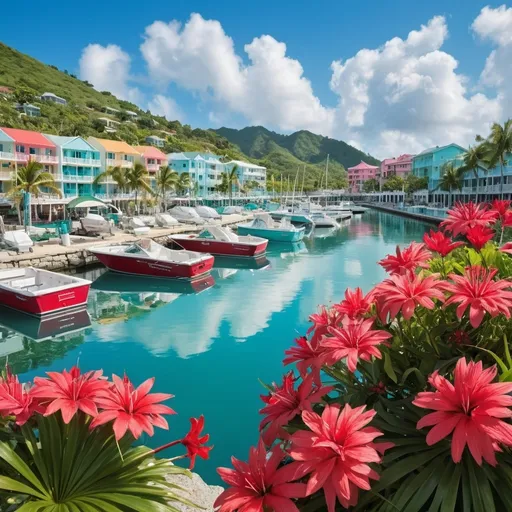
[
  {"x": 149, "y": 220},
  {"x": 137, "y": 227},
  {"x": 350, "y": 205},
  {"x": 186, "y": 214},
  {"x": 296, "y": 216},
  {"x": 94, "y": 224},
  {"x": 205, "y": 212},
  {"x": 18, "y": 241},
  {"x": 322, "y": 220},
  {"x": 164, "y": 220},
  {"x": 233, "y": 210},
  {"x": 264, "y": 226}
]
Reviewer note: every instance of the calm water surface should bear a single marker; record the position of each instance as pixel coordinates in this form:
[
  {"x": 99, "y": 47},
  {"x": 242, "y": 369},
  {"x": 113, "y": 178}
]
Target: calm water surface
[{"x": 210, "y": 348}]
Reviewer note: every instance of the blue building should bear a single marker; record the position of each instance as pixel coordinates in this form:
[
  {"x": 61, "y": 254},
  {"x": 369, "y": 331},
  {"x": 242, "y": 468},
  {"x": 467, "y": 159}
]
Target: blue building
[
  {"x": 153, "y": 140},
  {"x": 79, "y": 164},
  {"x": 429, "y": 163}
]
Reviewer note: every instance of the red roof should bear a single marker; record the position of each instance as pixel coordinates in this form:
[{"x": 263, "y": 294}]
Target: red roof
[
  {"x": 362, "y": 165},
  {"x": 151, "y": 152},
  {"x": 28, "y": 137}
]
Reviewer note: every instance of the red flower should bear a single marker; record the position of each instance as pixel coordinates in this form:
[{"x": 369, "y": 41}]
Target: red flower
[
  {"x": 471, "y": 408},
  {"x": 132, "y": 409},
  {"x": 321, "y": 321},
  {"x": 477, "y": 290},
  {"x": 408, "y": 260},
  {"x": 15, "y": 400},
  {"x": 355, "y": 340},
  {"x": 356, "y": 304},
  {"x": 285, "y": 402},
  {"x": 194, "y": 444},
  {"x": 506, "y": 222},
  {"x": 306, "y": 354},
  {"x": 460, "y": 337},
  {"x": 478, "y": 236},
  {"x": 337, "y": 451},
  {"x": 437, "y": 241},
  {"x": 259, "y": 486},
  {"x": 464, "y": 216},
  {"x": 404, "y": 293},
  {"x": 70, "y": 392},
  {"x": 501, "y": 208},
  {"x": 507, "y": 248}
]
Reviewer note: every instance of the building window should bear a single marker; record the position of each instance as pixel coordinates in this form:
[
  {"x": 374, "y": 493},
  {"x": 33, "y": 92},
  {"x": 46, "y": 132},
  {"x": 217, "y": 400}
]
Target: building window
[
  {"x": 184, "y": 166},
  {"x": 111, "y": 156}
]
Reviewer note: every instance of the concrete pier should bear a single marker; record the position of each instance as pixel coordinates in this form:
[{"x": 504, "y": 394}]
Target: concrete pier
[{"x": 53, "y": 256}]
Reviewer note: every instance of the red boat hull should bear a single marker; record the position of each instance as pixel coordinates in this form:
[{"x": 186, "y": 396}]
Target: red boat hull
[
  {"x": 221, "y": 248},
  {"x": 154, "y": 268},
  {"x": 45, "y": 303}
]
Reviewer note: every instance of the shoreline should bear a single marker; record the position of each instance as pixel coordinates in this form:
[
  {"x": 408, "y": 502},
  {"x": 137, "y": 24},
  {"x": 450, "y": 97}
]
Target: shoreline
[{"x": 418, "y": 216}]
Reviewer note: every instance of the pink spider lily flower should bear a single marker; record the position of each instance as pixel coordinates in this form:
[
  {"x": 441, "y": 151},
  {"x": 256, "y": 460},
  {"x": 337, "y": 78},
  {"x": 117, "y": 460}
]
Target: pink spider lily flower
[
  {"x": 354, "y": 341},
  {"x": 260, "y": 485},
  {"x": 337, "y": 452},
  {"x": 477, "y": 290},
  {"x": 321, "y": 321},
  {"x": 195, "y": 443},
  {"x": 439, "y": 242},
  {"x": 16, "y": 400},
  {"x": 478, "y": 236},
  {"x": 407, "y": 260},
  {"x": 285, "y": 402},
  {"x": 355, "y": 304},
  {"x": 471, "y": 409},
  {"x": 132, "y": 409},
  {"x": 506, "y": 248},
  {"x": 405, "y": 293},
  {"x": 70, "y": 392},
  {"x": 501, "y": 207},
  {"x": 306, "y": 354},
  {"x": 464, "y": 216}
]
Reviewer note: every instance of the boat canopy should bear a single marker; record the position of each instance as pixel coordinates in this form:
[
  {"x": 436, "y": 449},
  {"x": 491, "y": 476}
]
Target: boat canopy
[
  {"x": 218, "y": 233},
  {"x": 86, "y": 202}
]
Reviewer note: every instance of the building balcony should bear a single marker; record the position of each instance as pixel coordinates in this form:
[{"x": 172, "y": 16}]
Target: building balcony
[
  {"x": 22, "y": 157},
  {"x": 125, "y": 164},
  {"x": 90, "y": 162},
  {"x": 5, "y": 176},
  {"x": 74, "y": 178},
  {"x": 45, "y": 159},
  {"x": 4, "y": 155},
  {"x": 152, "y": 167}
]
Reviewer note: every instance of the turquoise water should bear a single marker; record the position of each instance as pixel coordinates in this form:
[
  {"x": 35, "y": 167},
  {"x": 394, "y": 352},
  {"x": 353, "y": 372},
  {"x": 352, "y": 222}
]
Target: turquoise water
[
  {"x": 439, "y": 213},
  {"x": 209, "y": 349}
]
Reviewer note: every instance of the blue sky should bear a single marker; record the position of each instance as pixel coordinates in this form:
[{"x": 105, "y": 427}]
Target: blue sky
[{"x": 315, "y": 35}]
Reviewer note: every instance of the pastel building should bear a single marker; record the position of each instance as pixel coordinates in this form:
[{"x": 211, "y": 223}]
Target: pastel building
[
  {"x": 53, "y": 98},
  {"x": 79, "y": 164},
  {"x": 17, "y": 147},
  {"x": 155, "y": 141},
  {"x": 248, "y": 172},
  {"x": 152, "y": 159},
  {"x": 401, "y": 166},
  {"x": 113, "y": 153},
  {"x": 430, "y": 163},
  {"x": 205, "y": 169},
  {"x": 358, "y": 174}
]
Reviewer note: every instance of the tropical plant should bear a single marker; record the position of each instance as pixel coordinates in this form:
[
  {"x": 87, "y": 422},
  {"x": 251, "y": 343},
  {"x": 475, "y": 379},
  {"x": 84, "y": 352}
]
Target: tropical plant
[
  {"x": 393, "y": 183},
  {"x": 166, "y": 180},
  {"x": 223, "y": 186},
  {"x": 32, "y": 178},
  {"x": 451, "y": 179},
  {"x": 371, "y": 185},
  {"x": 117, "y": 173},
  {"x": 415, "y": 183},
  {"x": 474, "y": 161},
  {"x": 401, "y": 398},
  {"x": 73, "y": 450},
  {"x": 233, "y": 181},
  {"x": 498, "y": 146},
  {"x": 137, "y": 180},
  {"x": 184, "y": 183}
]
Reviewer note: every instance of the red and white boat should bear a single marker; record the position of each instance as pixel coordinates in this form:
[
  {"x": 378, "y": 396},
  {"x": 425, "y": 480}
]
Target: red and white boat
[
  {"x": 147, "y": 258},
  {"x": 41, "y": 292},
  {"x": 221, "y": 240}
]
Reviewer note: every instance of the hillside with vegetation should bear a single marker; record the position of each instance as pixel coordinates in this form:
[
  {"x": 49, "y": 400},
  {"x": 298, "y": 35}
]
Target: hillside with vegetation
[{"x": 283, "y": 155}]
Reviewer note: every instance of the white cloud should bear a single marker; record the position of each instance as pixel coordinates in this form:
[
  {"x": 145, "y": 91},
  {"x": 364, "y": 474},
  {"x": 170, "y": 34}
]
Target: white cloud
[
  {"x": 407, "y": 95},
  {"x": 108, "y": 69},
  {"x": 495, "y": 24},
  {"x": 164, "y": 106},
  {"x": 200, "y": 57}
]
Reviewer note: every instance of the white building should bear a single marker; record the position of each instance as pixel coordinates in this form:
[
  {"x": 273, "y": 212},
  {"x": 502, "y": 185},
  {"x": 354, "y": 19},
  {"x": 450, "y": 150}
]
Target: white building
[
  {"x": 49, "y": 96},
  {"x": 249, "y": 173}
]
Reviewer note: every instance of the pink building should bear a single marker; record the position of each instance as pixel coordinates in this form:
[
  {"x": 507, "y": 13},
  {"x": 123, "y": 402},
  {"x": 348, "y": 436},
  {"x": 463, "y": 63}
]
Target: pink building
[
  {"x": 359, "y": 174},
  {"x": 400, "y": 166}
]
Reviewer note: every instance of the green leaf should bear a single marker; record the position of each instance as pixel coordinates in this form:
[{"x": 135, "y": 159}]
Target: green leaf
[
  {"x": 452, "y": 490},
  {"x": 388, "y": 368},
  {"x": 419, "y": 376},
  {"x": 8, "y": 484}
]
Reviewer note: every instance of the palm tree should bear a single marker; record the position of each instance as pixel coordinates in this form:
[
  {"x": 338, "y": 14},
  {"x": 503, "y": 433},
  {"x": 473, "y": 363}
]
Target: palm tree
[
  {"x": 32, "y": 178},
  {"x": 232, "y": 181},
  {"x": 271, "y": 185},
  {"x": 137, "y": 179},
  {"x": 452, "y": 179},
  {"x": 166, "y": 180},
  {"x": 117, "y": 174},
  {"x": 499, "y": 144},
  {"x": 474, "y": 160},
  {"x": 184, "y": 183},
  {"x": 223, "y": 186}
]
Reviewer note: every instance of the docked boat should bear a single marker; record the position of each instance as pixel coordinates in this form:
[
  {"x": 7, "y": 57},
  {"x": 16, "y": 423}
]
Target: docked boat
[
  {"x": 40, "y": 292},
  {"x": 164, "y": 220},
  {"x": 298, "y": 217},
  {"x": 350, "y": 205},
  {"x": 265, "y": 227},
  {"x": 94, "y": 224},
  {"x": 205, "y": 212},
  {"x": 147, "y": 258},
  {"x": 322, "y": 220},
  {"x": 221, "y": 240},
  {"x": 149, "y": 220},
  {"x": 136, "y": 226},
  {"x": 233, "y": 210},
  {"x": 17, "y": 240},
  {"x": 186, "y": 214}
]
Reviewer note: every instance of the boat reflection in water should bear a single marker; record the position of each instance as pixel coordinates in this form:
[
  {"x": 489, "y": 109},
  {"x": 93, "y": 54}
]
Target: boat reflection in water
[
  {"x": 286, "y": 249},
  {"x": 230, "y": 262},
  {"x": 323, "y": 232}
]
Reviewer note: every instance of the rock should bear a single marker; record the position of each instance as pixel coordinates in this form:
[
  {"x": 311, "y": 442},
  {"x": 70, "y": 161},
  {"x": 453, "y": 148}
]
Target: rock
[{"x": 198, "y": 492}]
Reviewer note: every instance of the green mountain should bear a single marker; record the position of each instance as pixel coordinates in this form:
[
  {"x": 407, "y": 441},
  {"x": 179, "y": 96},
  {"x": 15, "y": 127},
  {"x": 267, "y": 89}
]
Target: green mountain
[
  {"x": 258, "y": 142},
  {"x": 283, "y": 155}
]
